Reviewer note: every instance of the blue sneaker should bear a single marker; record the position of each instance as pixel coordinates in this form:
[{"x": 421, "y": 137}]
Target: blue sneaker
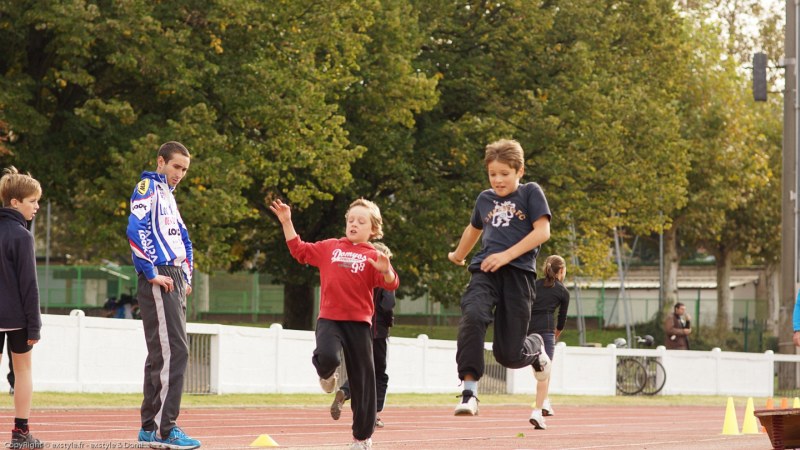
[
  {"x": 147, "y": 437},
  {"x": 177, "y": 440}
]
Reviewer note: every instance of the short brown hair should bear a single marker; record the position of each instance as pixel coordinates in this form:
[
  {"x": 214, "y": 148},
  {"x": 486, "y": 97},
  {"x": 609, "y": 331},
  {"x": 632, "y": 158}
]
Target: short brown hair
[
  {"x": 507, "y": 151},
  {"x": 15, "y": 185},
  {"x": 375, "y": 216},
  {"x": 168, "y": 149}
]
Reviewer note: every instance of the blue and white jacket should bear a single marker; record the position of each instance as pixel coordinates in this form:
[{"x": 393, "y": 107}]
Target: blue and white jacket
[
  {"x": 156, "y": 232},
  {"x": 796, "y": 318}
]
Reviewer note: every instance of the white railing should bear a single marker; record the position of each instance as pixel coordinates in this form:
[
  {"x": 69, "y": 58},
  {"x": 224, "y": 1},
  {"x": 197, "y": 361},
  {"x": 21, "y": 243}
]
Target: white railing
[{"x": 91, "y": 354}]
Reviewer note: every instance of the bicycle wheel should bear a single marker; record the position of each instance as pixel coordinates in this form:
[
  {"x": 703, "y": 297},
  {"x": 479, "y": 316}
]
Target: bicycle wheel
[
  {"x": 656, "y": 377},
  {"x": 631, "y": 376}
]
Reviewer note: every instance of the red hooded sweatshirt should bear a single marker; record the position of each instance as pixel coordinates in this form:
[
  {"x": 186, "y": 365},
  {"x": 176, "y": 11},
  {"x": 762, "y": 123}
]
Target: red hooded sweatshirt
[{"x": 346, "y": 277}]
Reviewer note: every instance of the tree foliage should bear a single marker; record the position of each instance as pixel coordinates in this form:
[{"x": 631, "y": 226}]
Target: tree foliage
[{"x": 631, "y": 116}]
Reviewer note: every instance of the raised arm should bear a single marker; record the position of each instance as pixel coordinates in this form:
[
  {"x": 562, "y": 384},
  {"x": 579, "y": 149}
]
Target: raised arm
[{"x": 284, "y": 214}]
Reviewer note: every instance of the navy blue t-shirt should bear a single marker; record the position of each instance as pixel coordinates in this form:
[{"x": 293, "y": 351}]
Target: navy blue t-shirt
[{"x": 506, "y": 221}]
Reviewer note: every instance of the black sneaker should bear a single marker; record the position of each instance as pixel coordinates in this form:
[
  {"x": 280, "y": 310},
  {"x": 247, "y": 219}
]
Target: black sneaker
[
  {"x": 468, "y": 405},
  {"x": 24, "y": 439}
]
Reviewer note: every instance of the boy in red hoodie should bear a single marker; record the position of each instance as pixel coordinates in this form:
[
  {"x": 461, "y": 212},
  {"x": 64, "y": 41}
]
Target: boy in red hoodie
[{"x": 349, "y": 269}]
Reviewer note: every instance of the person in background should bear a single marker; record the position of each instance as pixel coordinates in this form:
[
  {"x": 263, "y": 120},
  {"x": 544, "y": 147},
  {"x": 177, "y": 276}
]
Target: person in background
[
  {"x": 796, "y": 321},
  {"x": 162, "y": 255},
  {"x": 677, "y": 328},
  {"x": 20, "y": 316},
  {"x": 551, "y": 295}
]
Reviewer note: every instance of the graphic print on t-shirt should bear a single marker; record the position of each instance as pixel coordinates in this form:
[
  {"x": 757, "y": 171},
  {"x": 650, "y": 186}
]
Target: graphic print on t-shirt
[
  {"x": 352, "y": 260},
  {"x": 503, "y": 213}
]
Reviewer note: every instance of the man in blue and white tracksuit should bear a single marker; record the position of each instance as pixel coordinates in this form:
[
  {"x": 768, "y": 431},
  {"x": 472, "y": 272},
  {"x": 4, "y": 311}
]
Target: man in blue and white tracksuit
[{"x": 162, "y": 255}]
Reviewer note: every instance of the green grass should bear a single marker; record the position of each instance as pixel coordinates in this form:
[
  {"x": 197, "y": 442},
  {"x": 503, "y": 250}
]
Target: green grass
[{"x": 58, "y": 400}]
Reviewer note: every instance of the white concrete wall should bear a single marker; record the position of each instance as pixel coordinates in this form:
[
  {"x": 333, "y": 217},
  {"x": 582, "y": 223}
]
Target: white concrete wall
[{"x": 91, "y": 354}]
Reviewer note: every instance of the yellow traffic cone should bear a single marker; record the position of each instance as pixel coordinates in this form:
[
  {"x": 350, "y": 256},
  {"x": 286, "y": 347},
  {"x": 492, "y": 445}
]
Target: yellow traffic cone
[
  {"x": 731, "y": 425},
  {"x": 264, "y": 441},
  {"x": 749, "y": 424},
  {"x": 796, "y": 402}
]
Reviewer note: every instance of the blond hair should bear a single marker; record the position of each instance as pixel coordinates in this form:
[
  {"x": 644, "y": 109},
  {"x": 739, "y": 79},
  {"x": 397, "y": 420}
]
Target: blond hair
[
  {"x": 506, "y": 151},
  {"x": 374, "y": 214},
  {"x": 15, "y": 185},
  {"x": 381, "y": 247}
]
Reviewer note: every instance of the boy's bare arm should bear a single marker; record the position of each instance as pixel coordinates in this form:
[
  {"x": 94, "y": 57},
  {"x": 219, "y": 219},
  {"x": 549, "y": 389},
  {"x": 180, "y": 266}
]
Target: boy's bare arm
[
  {"x": 284, "y": 214},
  {"x": 538, "y": 236},
  {"x": 468, "y": 240}
]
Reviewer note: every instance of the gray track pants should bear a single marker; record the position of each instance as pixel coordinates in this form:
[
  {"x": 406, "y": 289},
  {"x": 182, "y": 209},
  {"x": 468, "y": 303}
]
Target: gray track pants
[{"x": 164, "y": 321}]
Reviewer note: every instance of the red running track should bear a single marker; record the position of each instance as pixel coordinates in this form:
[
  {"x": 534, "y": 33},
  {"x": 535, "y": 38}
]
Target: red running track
[{"x": 497, "y": 427}]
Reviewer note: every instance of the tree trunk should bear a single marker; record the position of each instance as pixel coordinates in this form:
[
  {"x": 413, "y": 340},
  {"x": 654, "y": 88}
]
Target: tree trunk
[
  {"x": 298, "y": 306},
  {"x": 724, "y": 301},
  {"x": 772, "y": 292},
  {"x": 671, "y": 265}
]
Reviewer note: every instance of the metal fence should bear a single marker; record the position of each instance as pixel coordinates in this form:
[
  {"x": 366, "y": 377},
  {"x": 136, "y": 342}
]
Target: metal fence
[
  {"x": 787, "y": 379},
  {"x": 198, "y": 372},
  {"x": 249, "y": 294}
]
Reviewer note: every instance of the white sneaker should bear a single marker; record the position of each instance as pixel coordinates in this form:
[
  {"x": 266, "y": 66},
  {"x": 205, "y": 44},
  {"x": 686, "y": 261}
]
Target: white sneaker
[
  {"x": 361, "y": 445},
  {"x": 537, "y": 420},
  {"x": 547, "y": 408},
  {"x": 329, "y": 384},
  {"x": 468, "y": 405},
  {"x": 541, "y": 362}
]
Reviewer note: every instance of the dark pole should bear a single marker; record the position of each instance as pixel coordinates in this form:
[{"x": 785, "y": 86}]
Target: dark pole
[{"x": 789, "y": 239}]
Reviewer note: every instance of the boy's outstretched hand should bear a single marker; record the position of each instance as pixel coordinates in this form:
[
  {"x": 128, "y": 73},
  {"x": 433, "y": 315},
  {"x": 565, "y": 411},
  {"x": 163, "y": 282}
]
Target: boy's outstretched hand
[
  {"x": 281, "y": 210},
  {"x": 381, "y": 264}
]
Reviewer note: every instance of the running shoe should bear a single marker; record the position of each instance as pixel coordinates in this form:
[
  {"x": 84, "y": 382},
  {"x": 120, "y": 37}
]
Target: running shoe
[
  {"x": 541, "y": 362},
  {"x": 328, "y": 384},
  {"x": 24, "y": 440},
  {"x": 547, "y": 408},
  {"x": 537, "y": 420},
  {"x": 361, "y": 445},
  {"x": 338, "y": 404},
  {"x": 468, "y": 405},
  {"x": 177, "y": 440}
]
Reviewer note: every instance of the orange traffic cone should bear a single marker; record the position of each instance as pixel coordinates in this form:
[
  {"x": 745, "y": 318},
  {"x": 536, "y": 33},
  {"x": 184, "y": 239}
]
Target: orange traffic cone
[
  {"x": 770, "y": 405},
  {"x": 784, "y": 403}
]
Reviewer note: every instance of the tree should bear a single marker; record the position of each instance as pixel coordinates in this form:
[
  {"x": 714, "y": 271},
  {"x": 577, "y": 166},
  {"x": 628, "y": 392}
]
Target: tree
[
  {"x": 729, "y": 155},
  {"x": 586, "y": 87}
]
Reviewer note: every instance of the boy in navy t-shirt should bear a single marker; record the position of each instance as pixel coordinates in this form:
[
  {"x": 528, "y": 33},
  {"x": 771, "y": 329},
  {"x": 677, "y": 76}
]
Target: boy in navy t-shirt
[{"x": 513, "y": 220}]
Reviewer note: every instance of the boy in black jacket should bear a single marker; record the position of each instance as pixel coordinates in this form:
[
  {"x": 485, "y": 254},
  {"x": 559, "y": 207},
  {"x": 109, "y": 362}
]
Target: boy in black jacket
[{"x": 20, "y": 318}]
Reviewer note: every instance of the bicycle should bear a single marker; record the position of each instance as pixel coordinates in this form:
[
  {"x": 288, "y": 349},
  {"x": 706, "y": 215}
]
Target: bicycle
[{"x": 636, "y": 375}]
